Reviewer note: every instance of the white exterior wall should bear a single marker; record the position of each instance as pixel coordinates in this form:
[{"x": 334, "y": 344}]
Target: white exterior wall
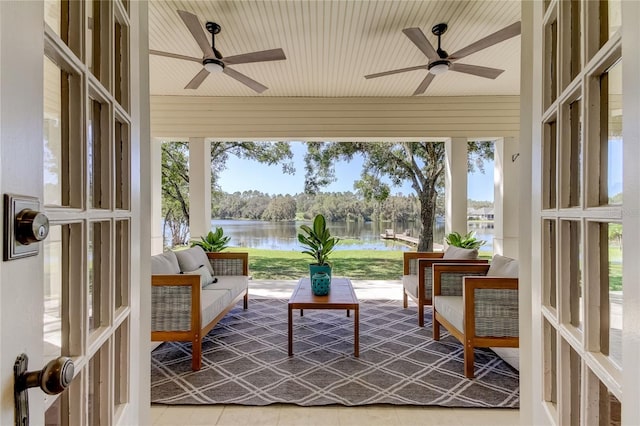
[{"x": 506, "y": 199}]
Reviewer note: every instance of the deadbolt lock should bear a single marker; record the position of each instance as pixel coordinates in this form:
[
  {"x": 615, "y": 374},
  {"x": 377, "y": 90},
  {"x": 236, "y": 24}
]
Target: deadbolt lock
[
  {"x": 31, "y": 226},
  {"x": 24, "y": 225}
]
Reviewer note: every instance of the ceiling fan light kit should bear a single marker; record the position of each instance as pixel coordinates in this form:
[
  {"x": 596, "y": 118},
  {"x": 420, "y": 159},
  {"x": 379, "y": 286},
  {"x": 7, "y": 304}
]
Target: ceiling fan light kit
[
  {"x": 440, "y": 61},
  {"x": 213, "y": 61},
  {"x": 439, "y": 67},
  {"x": 213, "y": 65}
]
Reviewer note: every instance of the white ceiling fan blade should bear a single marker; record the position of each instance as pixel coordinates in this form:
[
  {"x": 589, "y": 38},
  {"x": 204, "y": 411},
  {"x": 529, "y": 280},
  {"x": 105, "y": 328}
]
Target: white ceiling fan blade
[
  {"x": 197, "y": 80},
  {"x": 175, "y": 56},
  {"x": 262, "y": 56},
  {"x": 425, "y": 83},
  {"x": 485, "y": 72},
  {"x": 420, "y": 40},
  {"x": 193, "y": 24},
  {"x": 382, "y": 74},
  {"x": 252, "y": 84},
  {"x": 495, "y": 38}
]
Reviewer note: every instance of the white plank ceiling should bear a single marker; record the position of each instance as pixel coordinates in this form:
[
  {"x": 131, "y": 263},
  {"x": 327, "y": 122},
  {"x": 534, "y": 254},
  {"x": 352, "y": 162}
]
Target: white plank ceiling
[{"x": 331, "y": 45}]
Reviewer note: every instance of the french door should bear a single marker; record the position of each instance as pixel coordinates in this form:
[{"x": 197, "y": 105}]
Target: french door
[{"x": 67, "y": 91}]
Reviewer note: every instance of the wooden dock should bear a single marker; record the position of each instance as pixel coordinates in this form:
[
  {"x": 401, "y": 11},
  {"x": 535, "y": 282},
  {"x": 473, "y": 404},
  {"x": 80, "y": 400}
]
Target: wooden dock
[
  {"x": 390, "y": 235},
  {"x": 400, "y": 237}
]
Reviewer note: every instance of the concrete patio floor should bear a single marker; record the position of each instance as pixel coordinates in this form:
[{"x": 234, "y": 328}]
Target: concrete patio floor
[{"x": 365, "y": 289}]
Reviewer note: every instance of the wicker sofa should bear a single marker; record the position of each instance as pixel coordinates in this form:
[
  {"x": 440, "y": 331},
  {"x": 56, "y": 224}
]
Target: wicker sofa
[
  {"x": 187, "y": 301},
  {"x": 477, "y": 304}
]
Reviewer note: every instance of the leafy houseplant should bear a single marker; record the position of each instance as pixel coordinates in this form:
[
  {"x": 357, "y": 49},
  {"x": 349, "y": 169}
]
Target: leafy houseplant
[
  {"x": 468, "y": 241},
  {"x": 318, "y": 244},
  {"x": 213, "y": 241}
]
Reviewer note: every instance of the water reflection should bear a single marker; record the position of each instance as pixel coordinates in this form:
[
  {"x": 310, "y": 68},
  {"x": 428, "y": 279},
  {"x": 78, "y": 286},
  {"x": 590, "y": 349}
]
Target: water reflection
[{"x": 355, "y": 235}]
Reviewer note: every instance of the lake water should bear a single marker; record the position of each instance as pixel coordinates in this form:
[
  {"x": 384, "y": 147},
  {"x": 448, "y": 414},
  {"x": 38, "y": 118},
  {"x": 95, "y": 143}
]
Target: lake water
[{"x": 357, "y": 235}]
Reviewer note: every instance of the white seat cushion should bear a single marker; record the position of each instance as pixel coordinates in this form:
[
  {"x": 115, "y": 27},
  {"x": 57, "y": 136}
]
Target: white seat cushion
[
  {"x": 212, "y": 302},
  {"x": 452, "y": 308},
  {"x": 410, "y": 284},
  {"x": 233, "y": 284}
]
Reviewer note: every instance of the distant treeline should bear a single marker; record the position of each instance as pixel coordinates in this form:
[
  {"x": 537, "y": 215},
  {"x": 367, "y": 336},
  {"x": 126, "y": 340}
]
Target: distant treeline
[{"x": 335, "y": 206}]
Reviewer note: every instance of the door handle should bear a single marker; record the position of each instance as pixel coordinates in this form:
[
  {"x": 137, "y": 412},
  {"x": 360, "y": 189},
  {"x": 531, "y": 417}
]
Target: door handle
[{"x": 54, "y": 378}]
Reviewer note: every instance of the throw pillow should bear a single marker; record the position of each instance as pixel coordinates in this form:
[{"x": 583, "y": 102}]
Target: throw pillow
[
  {"x": 192, "y": 258},
  {"x": 504, "y": 267},
  {"x": 453, "y": 252},
  {"x": 205, "y": 276},
  {"x": 165, "y": 264}
]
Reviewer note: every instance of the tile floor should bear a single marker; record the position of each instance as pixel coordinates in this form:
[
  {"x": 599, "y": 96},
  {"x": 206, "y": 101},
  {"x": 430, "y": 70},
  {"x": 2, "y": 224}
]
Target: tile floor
[{"x": 283, "y": 414}]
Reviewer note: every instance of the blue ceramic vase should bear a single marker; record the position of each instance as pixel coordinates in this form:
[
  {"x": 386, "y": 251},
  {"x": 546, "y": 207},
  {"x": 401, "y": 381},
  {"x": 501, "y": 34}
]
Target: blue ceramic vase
[
  {"x": 320, "y": 284},
  {"x": 315, "y": 268}
]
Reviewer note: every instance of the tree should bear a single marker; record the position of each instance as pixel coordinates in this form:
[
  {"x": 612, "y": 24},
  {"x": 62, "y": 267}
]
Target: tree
[
  {"x": 175, "y": 174},
  {"x": 282, "y": 207},
  {"x": 420, "y": 163},
  {"x": 175, "y": 187}
]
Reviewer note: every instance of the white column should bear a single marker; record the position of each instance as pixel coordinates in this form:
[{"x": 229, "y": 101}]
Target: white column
[
  {"x": 155, "y": 152},
  {"x": 199, "y": 187},
  {"x": 506, "y": 196},
  {"x": 455, "y": 185}
]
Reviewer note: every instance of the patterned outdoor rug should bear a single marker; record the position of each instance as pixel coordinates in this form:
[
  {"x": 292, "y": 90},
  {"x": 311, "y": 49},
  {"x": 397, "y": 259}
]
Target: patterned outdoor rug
[{"x": 245, "y": 362}]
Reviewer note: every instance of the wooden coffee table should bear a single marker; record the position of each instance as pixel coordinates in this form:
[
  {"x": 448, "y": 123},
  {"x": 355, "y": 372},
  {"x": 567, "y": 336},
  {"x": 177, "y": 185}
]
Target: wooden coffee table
[{"x": 341, "y": 296}]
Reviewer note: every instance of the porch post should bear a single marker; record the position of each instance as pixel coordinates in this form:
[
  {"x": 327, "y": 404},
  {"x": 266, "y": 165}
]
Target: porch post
[
  {"x": 506, "y": 197},
  {"x": 199, "y": 187},
  {"x": 455, "y": 184},
  {"x": 157, "y": 241}
]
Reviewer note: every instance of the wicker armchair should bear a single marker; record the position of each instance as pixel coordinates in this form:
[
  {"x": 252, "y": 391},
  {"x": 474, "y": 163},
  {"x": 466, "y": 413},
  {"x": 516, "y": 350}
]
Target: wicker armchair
[
  {"x": 417, "y": 269},
  {"x": 478, "y": 310}
]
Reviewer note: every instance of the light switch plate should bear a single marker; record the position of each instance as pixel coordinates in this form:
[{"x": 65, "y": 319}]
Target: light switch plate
[{"x": 14, "y": 204}]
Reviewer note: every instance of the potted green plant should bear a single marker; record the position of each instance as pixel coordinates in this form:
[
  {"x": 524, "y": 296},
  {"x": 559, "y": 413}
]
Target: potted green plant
[
  {"x": 468, "y": 241},
  {"x": 213, "y": 241},
  {"x": 318, "y": 243}
]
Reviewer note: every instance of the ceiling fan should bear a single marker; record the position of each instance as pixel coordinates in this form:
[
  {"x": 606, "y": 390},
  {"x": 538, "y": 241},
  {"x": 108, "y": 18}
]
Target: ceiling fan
[
  {"x": 213, "y": 61},
  {"x": 440, "y": 61}
]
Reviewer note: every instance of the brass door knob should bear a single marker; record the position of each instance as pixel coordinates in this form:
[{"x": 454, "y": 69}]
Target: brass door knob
[{"x": 55, "y": 377}]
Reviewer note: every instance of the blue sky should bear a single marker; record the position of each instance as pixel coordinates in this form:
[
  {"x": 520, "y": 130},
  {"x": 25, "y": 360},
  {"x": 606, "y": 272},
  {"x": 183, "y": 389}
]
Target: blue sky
[{"x": 244, "y": 175}]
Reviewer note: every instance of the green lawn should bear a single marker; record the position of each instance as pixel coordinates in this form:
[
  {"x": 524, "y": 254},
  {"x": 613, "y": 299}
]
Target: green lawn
[
  {"x": 615, "y": 276},
  {"x": 355, "y": 264}
]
